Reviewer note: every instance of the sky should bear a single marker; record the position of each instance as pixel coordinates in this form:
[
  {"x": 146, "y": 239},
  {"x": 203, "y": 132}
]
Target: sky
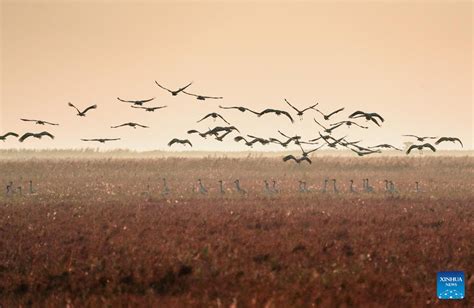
[{"x": 410, "y": 61}]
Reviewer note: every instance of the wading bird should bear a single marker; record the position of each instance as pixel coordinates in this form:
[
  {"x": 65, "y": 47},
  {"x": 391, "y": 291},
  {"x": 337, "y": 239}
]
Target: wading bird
[
  {"x": 136, "y": 102},
  {"x": 39, "y": 122},
  {"x": 82, "y": 113},
  {"x": 203, "y": 97},
  {"x": 418, "y": 138},
  {"x": 131, "y": 124},
  {"x": 420, "y": 147},
  {"x": 36, "y": 135},
  {"x": 174, "y": 93},
  {"x": 327, "y": 116},
  {"x": 180, "y": 141},
  {"x": 385, "y": 146},
  {"x": 149, "y": 109},
  {"x": 450, "y": 139},
  {"x": 300, "y": 112},
  {"x": 298, "y": 160},
  {"x": 4, "y": 137},
  {"x": 277, "y": 112},
  {"x": 241, "y": 109},
  {"x": 101, "y": 140},
  {"x": 214, "y": 115},
  {"x": 368, "y": 116}
]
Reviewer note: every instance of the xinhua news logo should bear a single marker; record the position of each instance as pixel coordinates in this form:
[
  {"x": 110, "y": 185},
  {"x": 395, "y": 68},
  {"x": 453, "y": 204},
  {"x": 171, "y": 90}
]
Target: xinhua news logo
[{"x": 450, "y": 285}]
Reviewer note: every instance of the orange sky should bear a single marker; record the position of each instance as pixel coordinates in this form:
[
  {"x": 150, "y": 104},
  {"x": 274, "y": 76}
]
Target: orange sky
[{"x": 409, "y": 61}]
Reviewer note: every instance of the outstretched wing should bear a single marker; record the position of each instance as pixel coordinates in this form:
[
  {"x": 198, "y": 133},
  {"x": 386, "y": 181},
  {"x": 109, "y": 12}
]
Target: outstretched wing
[
  {"x": 305, "y": 158},
  {"x": 357, "y": 114},
  {"x": 188, "y": 142},
  {"x": 10, "y": 134},
  {"x": 163, "y": 87},
  {"x": 89, "y": 108},
  {"x": 429, "y": 146},
  {"x": 288, "y": 115},
  {"x": 375, "y": 121},
  {"x": 185, "y": 87},
  {"x": 376, "y": 115},
  {"x": 136, "y": 101},
  {"x": 173, "y": 141},
  {"x": 144, "y": 126},
  {"x": 334, "y": 112},
  {"x": 124, "y": 124},
  {"x": 310, "y": 107},
  {"x": 222, "y": 118},
  {"x": 203, "y": 96},
  {"x": 45, "y": 133},
  {"x": 28, "y": 120},
  {"x": 239, "y": 138},
  {"x": 50, "y": 123},
  {"x": 71, "y": 105},
  {"x": 205, "y": 117},
  {"x": 288, "y": 157},
  {"x": 291, "y": 105},
  {"x": 27, "y": 135},
  {"x": 411, "y": 148}
]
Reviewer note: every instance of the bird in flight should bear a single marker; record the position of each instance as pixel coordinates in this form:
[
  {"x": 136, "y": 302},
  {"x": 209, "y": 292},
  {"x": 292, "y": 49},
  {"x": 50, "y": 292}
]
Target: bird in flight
[
  {"x": 101, "y": 140},
  {"x": 420, "y": 139},
  {"x": 385, "y": 146},
  {"x": 368, "y": 116},
  {"x": 82, "y": 113},
  {"x": 36, "y": 135},
  {"x": 176, "y": 92},
  {"x": 306, "y": 153},
  {"x": 327, "y": 130},
  {"x": 39, "y": 122},
  {"x": 136, "y": 102},
  {"x": 203, "y": 97},
  {"x": 451, "y": 139},
  {"x": 300, "y": 112},
  {"x": 4, "y": 137},
  {"x": 131, "y": 124},
  {"x": 366, "y": 152},
  {"x": 214, "y": 115},
  {"x": 241, "y": 109},
  {"x": 149, "y": 109},
  {"x": 277, "y": 112},
  {"x": 327, "y": 116},
  {"x": 298, "y": 160},
  {"x": 349, "y": 124},
  {"x": 420, "y": 147},
  {"x": 180, "y": 141}
]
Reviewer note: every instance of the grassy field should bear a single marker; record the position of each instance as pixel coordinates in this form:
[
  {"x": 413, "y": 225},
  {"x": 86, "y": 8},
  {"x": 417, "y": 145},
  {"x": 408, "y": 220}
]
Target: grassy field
[{"x": 100, "y": 232}]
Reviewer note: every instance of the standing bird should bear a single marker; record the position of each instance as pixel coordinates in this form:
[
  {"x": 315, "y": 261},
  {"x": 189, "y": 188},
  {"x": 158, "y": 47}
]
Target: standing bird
[
  {"x": 221, "y": 187},
  {"x": 327, "y": 116},
  {"x": 214, "y": 115},
  {"x": 136, "y": 102},
  {"x": 180, "y": 141},
  {"x": 131, "y": 124},
  {"x": 82, "y": 113},
  {"x": 298, "y": 160},
  {"x": 277, "y": 112},
  {"x": 39, "y": 122},
  {"x": 241, "y": 109},
  {"x": 101, "y": 140},
  {"x": 202, "y": 189},
  {"x": 368, "y": 116},
  {"x": 36, "y": 135},
  {"x": 203, "y": 97},
  {"x": 174, "y": 93},
  {"x": 4, "y": 137},
  {"x": 420, "y": 147},
  {"x": 300, "y": 112},
  {"x": 420, "y": 139},
  {"x": 451, "y": 139},
  {"x": 149, "y": 109},
  {"x": 239, "y": 189},
  {"x": 386, "y": 146}
]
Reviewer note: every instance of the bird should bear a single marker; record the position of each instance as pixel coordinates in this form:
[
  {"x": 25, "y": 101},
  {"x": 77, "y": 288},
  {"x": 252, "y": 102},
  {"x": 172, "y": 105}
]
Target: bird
[
  {"x": 349, "y": 124},
  {"x": 306, "y": 153},
  {"x": 418, "y": 138},
  {"x": 239, "y": 189},
  {"x": 334, "y": 186},
  {"x": 221, "y": 137},
  {"x": 136, "y": 102},
  {"x": 260, "y": 140},
  {"x": 420, "y": 147},
  {"x": 214, "y": 115},
  {"x": 194, "y": 131},
  {"x": 352, "y": 190},
  {"x": 202, "y": 189},
  {"x": 327, "y": 116},
  {"x": 367, "y": 187},
  {"x": 174, "y": 93},
  {"x": 203, "y": 97},
  {"x": 368, "y": 116},
  {"x": 131, "y": 124},
  {"x": 325, "y": 186},
  {"x": 101, "y": 140},
  {"x": 298, "y": 160},
  {"x": 302, "y": 186},
  {"x": 149, "y": 109},
  {"x": 165, "y": 189},
  {"x": 82, "y": 113},
  {"x": 241, "y": 109},
  {"x": 283, "y": 143},
  {"x": 39, "y": 122},
  {"x": 363, "y": 153},
  {"x": 180, "y": 141},
  {"x": 386, "y": 146},
  {"x": 451, "y": 139},
  {"x": 327, "y": 130},
  {"x": 250, "y": 143},
  {"x": 300, "y": 112},
  {"x": 36, "y": 135},
  {"x": 4, "y": 137},
  {"x": 335, "y": 141},
  {"x": 216, "y": 130},
  {"x": 277, "y": 112}
]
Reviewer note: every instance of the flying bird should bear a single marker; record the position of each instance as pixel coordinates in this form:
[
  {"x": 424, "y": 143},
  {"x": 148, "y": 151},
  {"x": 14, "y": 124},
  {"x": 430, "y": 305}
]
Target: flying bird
[
  {"x": 386, "y": 146},
  {"x": 101, "y": 140},
  {"x": 300, "y": 112},
  {"x": 368, "y": 116},
  {"x": 420, "y": 139},
  {"x": 131, "y": 124},
  {"x": 149, "y": 109},
  {"x": 327, "y": 130},
  {"x": 36, "y": 135},
  {"x": 174, "y": 93},
  {"x": 362, "y": 153},
  {"x": 4, "y": 137},
  {"x": 194, "y": 131},
  {"x": 306, "y": 153},
  {"x": 327, "y": 116},
  {"x": 82, "y": 113},
  {"x": 349, "y": 124},
  {"x": 298, "y": 160},
  {"x": 277, "y": 112},
  {"x": 241, "y": 109},
  {"x": 136, "y": 102},
  {"x": 251, "y": 142},
  {"x": 420, "y": 147},
  {"x": 203, "y": 97},
  {"x": 451, "y": 139},
  {"x": 39, "y": 122},
  {"x": 180, "y": 141},
  {"x": 214, "y": 116}
]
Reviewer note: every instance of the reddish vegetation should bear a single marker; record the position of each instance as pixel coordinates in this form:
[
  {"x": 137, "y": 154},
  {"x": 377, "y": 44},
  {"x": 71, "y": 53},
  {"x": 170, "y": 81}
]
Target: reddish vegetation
[{"x": 92, "y": 236}]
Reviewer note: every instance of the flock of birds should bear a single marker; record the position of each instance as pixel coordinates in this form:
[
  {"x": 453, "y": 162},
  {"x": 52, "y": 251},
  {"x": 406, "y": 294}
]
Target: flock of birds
[{"x": 324, "y": 138}]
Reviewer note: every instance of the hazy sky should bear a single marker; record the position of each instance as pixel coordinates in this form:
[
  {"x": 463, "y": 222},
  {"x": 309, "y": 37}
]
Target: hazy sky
[{"x": 409, "y": 61}]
